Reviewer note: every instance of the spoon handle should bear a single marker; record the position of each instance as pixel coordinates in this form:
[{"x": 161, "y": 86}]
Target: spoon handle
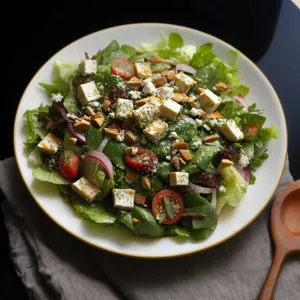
[{"x": 268, "y": 288}]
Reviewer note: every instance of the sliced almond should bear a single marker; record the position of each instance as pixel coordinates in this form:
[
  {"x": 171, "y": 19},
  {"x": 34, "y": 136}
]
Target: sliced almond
[
  {"x": 111, "y": 132},
  {"x": 106, "y": 104},
  {"x": 87, "y": 118},
  {"x": 180, "y": 145},
  {"x": 191, "y": 102},
  {"x": 81, "y": 124},
  {"x": 89, "y": 111},
  {"x": 160, "y": 81},
  {"x": 130, "y": 151},
  {"x": 224, "y": 163},
  {"x": 176, "y": 162},
  {"x": 135, "y": 82},
  {"x": 221, "y": 87},
  {"x": 131, "y": 176},
  {"x": 210, "y": 138},
  {"x": 185, "y": 154},
  {"x": 171, "y": 75},
  {"x": 180, "y": 97},
  {"x": 129, "y": 137},
  {"x": 146, "y": 183},
  {"x": 135, "y": 220},
  {"x": 156, "y": 59},
  {"x": 139, "y": 199},
  {"x": 141, "y": 102},
  {"x": 129, "y": 123},
  {"x": 199, "y": 90},
  {"x": 213, "y": 115},
  {"x": 98, "y": 115},
  {"x": 72, "y": 140},
  {"x": 98, "y": 122}
]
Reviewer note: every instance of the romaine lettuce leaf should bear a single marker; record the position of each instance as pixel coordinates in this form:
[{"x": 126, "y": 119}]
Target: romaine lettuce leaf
[
  {"x": 63, "y": 75},
  {"x": 235, "y": 185}
]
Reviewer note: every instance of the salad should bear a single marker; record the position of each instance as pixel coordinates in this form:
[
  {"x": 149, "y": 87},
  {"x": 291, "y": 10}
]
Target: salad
[{"x": 157, "y": 138}]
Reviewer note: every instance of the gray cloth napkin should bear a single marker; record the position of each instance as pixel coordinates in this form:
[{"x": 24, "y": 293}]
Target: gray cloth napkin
[{"x": 54, "y": 265}]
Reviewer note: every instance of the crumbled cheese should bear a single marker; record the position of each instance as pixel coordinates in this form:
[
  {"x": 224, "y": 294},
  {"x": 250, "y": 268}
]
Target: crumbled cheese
[
  {"x": 121, "y": 85},
  {"x": 156, "y": 75},
  {"x": 243, "y": 160},
  {"x": 72, "y": 116},
  {"x": 94, "y": 104},
  {"x": 194, "y": 112},
  {"x": 134, "y": 150},
  {"x": 222, "y": 189},
  {"x": 199, "y": 122},
  {"x": 182, "y": 161},
  {"x": 165, "y": 92},
  {"x": 196, "y": 145},
  {"x": 120, "y": 136},
  {"x": 112, "y": 115},
  {"x": 174, "y": 152},
  {"x": 149, "y": 87},
  {"x": 168, "y": 158},
  {"x": 173, "y": 135},
  {"x": 57, "y": 97},
  {"x": 135, "y": 95}
]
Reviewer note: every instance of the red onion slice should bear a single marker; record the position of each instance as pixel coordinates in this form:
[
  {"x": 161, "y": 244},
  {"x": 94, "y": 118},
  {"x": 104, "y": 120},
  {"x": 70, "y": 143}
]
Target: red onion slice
[
  {"x": 62, "y": 111},
  {"x": 241, "y": 101},
  {"x": 103, "y": 160},
  {"x": 201, "y": 189},
  {"x": 79, "y": 135},
  {"x": 247, "y": 174},
  {"x": 170, "y": 62},
  {"x": 185, "y": 68},
  {"x": 214, "y": 199},
  {"x": 103, "y": 143}
]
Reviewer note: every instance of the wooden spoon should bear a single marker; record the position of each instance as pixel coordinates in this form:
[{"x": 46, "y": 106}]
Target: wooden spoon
[{"x": 285, "y": 228}]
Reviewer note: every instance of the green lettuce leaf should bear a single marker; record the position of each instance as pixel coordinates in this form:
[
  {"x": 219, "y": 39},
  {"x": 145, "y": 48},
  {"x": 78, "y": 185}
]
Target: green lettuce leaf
[
  {"x": 35, "y": 131},
  {"x": 52, "y": 177},
  {"x": 155, "y": 46},
  {"x": 235, "y": 185},
  {"x": 63, "y": 76},
  {"x": 95, "y": 212}
]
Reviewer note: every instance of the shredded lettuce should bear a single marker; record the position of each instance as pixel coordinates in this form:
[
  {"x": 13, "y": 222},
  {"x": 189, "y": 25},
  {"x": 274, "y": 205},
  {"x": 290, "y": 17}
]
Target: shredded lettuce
[
  {"x": 35, "y": 131},
  {"x": 235, "y": 185}
]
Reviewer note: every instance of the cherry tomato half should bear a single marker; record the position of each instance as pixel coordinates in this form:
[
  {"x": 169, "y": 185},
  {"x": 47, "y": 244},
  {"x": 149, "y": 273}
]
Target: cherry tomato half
[
  {"x": 144, "y": 160},
  {"x": 69, "y": 164},
  {"x": 253, "y": 129},
  {"x": 123, "y": 67},
  {"x": 159, "y": 208}
]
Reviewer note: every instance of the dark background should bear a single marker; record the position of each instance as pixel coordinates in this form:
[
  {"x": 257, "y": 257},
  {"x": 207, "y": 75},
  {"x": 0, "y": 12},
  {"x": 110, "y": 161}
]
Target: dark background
[{"x": 266, "y": 31}]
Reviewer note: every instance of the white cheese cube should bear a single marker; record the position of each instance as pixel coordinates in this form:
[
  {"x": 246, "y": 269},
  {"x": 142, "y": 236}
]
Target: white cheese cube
[
  {"x": 209, "y": 101},
  {"x": 85, "y": 189},
  {"x": 50, "y": 143},
  {"x": 184, "y": 82},
  {"x": 170, "y": 109},
  {"x": 123, "y": 198},
  {"x": 148, "y": 112},
  {"x": 143, "y": 70},
  {"x": 156, "y": 130},
  {"x": 232, "y": 131},
  {"x": 124, "y": 108},
  {"x": 87, "y": 67},
  {"x": 179, "y": 178},
  {"x": 165, "y": 92},
  {"x": 88, "y": 92},
  {"x": 148, "y": 87}
]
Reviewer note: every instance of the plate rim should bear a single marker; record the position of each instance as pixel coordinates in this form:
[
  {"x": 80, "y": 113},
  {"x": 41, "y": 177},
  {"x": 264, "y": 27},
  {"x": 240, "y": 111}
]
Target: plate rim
[{"x": 163, "y": 256}]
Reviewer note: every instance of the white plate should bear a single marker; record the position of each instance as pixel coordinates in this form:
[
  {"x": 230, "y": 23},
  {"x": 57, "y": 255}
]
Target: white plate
[{"x": 121, "y": 241}]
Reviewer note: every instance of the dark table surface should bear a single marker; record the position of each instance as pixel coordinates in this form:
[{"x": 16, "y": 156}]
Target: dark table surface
[{"x": 279, "y": 59}]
